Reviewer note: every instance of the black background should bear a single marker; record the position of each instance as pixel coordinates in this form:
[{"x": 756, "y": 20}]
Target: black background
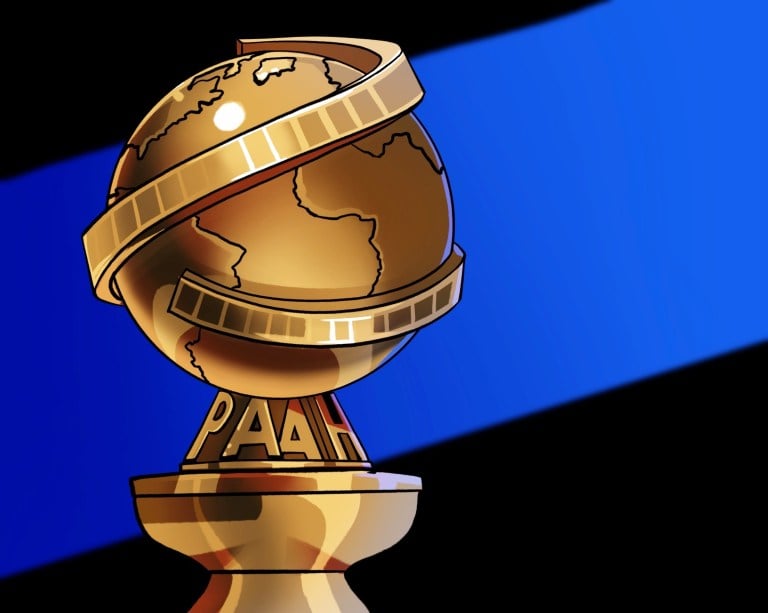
[
  {"x": 649, "y": 495},
  {"x": 86, "y": 81}
]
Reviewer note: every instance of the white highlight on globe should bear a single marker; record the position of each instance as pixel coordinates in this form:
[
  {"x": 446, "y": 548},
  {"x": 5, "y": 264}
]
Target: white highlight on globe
[{"x": 229, "y": 116}]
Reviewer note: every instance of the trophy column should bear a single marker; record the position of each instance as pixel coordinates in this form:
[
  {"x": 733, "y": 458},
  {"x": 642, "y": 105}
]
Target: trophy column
[{"x": 276, "y": 498}]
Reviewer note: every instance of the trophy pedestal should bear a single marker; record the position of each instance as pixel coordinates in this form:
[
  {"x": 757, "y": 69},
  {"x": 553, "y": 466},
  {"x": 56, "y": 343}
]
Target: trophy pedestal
[
  {"x": 277, "y": 542},
  {"x": 279, "y": 538}
]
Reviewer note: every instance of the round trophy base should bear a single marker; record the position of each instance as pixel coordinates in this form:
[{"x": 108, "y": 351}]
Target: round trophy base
[{"x": 277, "y": 542}]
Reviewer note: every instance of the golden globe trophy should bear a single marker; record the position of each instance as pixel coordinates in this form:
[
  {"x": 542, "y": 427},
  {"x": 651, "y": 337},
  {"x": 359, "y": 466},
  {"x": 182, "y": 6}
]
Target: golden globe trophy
[{"x": 279, "y": 226}]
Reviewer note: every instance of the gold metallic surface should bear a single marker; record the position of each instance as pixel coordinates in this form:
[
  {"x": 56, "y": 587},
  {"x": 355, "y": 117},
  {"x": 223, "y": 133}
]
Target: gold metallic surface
[
  {"x": 280, "y": 528},
  {"x": 255, "y": 482},
  {"x": 277, "y": 542},
  {"x": 276, "y": 533},
  {"x": 241, "y": 432},
  {"x": 323, "y": 264},
  {"x": 341, "y": 322},
  {"x": 279, "y": 226},
  {"x": 164, "y": 170}
]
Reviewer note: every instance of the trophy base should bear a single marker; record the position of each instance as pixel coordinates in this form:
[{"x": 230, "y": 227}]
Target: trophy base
[{"x": 277, "y": 542}]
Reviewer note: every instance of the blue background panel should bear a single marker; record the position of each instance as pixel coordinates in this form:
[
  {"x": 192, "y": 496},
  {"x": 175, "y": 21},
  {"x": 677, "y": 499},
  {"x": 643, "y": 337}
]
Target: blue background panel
[{"x": 608, "y": 171}]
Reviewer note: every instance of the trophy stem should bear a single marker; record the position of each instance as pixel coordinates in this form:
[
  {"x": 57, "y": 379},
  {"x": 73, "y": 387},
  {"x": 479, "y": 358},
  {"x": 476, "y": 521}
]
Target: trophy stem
[
  {"x": 278, "y": 593},
  {"x": 276, "y": 498}
]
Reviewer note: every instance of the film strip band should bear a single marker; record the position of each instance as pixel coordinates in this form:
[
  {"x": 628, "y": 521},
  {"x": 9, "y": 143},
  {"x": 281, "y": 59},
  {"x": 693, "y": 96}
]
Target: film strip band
[
  {"x": 320, "y": 323},
  {"x": 388, "y": 89}
]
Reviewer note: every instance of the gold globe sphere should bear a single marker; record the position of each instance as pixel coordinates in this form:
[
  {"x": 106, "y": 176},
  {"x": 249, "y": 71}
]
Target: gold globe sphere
[{"x": 351, "y": 234}]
